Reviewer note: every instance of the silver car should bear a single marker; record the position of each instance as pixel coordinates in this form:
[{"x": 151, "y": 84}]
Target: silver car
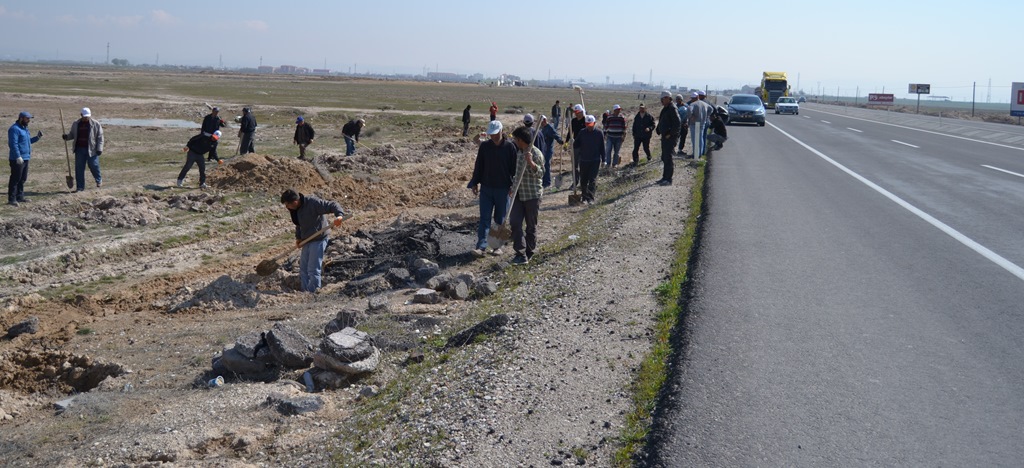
[{"x": 787, "y": 105}]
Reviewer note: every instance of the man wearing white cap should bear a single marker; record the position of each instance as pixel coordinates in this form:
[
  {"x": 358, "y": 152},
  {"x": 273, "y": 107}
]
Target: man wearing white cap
[
  {"x": 700, "y": 114},
  {"x": 88, "y": 137},
  {"x": 589, "y": 146},
  {"x": 668, "y": 128},
  {"x": 615, "y": 131},
  {"x": 493, "y": 171}
]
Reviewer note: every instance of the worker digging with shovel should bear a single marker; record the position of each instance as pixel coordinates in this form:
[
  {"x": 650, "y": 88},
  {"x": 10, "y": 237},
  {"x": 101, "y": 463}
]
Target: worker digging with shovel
[
  {"x": 493, "y": 170},
  {"x": 307, "y": 213}
]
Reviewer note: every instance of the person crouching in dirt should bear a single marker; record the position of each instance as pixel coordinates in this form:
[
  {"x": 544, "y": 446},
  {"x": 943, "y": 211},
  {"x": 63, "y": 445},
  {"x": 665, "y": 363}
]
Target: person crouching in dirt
[
  {"x": 351, "y": 133},
  {"x": 304, "y": 135},
  {"x": 525, "y": 193},
  {"x": 307, "y": 215},
  {"x": 589, "y": 145},
  {"x": 196, "y": 147},
  {"x": 247, "y": 132},
  {"x": 211, "y": 123},
  {"x": 492, "y": 179},
  {"x": 718, "y": 133}
]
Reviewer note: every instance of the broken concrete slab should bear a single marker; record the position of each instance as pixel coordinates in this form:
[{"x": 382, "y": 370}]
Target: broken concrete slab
[{"x": 289, "y": 347}]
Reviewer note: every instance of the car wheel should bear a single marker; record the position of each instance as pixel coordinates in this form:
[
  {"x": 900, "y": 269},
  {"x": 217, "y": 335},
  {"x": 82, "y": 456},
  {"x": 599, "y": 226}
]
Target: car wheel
[{"x": 760, "y": 124}]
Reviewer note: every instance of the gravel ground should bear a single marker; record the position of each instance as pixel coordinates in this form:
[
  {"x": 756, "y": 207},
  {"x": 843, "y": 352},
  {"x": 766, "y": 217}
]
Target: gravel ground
[{"x": 554, "y": 387}]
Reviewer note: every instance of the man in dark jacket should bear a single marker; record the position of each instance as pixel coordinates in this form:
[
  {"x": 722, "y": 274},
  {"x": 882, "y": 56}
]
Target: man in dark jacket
[
  {"x": 556, "y": 113},
  {"x": 668, "y": 128},
  {"x": 465, "y": 120},
  {"x": 247, "y": 132},
  {"x": 643, "y": 127},
  {"x": 576, "y": 124},
  {"x": 589, "y": 146},
  {"x": 549, "y": 133},
  {"x": 493, "y": 171},
  {"x": 196, "y": 147},
  {"x": 304, "y": 135},
  {"x": 307, "y": 213},
  {"x": 718, "y": 132},
  {"x": 351, "y": 133},
  {"x": 211, "y": 123}
]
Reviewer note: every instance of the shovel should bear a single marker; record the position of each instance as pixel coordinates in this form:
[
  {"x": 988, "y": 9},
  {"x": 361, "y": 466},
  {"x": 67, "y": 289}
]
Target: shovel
[
  {"x": 501, "y": 233},
  {"x": 70, "y": 179},
  {"x": 269, "y": 266}
]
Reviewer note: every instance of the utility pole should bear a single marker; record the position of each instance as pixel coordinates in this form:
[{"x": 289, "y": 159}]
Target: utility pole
[
  {"x": 220, "y": 60},
  {"x": 108, "y": 54},
  {"x": 650, "y": 77},
  {"x": 974, "y": 93}
]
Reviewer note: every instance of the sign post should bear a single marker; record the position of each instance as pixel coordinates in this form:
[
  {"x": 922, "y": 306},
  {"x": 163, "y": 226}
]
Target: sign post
[
  {"x": 1017, "y": 100},
  {"x": 920, "y": 89},
  {"x": 881, "y": 99}
]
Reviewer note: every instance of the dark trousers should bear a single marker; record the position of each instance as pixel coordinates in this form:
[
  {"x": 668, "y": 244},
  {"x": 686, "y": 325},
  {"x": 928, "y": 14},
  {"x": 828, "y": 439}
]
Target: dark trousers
[
  {"x": 667, "y": 145},
  {"x": 637, "y": 141},
  {"x": 302, "y": 150},
  {"x": 213, "y": 152},
  {"x": 194, "y": 158},
  {"x": 576, "y": 167},
  {"x": 528, "y": 211},
  {"x": 82, "y": 160},
  {"x": 465, "y": 128},
  {"x": 682, "y": 136},
  {"x": 247, "y": 145},
  {"x": 588, "y": 179},
  {"x": 16, "y": 184}
]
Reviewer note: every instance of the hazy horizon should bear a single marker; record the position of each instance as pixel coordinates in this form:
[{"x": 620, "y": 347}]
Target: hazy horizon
[{"x": 868, "y": 47}]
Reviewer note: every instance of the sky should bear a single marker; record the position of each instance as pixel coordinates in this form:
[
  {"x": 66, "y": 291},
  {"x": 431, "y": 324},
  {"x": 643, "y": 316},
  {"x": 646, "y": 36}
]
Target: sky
[{"x": 855, "y": 47}]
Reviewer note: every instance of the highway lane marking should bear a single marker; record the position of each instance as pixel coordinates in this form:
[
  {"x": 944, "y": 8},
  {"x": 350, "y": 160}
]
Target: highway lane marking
[
  {"x": 826, "y": 121},
  {"x": 855, "y": 130},
  {"x": 807, "y": 116},
  {"x": 959, "y": 237},
  {"x": 1002, "y": 170},
  {"x": 958, "y": 137},
  {"x": 907, "y": 144}
]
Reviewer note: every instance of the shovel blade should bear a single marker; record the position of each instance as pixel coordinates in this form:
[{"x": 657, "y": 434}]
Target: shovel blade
[
  {"x": 266, "y": 268},
  {"x": 71, "y": 182}
]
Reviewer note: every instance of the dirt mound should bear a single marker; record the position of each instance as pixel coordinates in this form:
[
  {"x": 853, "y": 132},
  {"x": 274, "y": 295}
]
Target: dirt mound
[
  {"x": 39, "y": 231},
  {"x": 260, "y": 173},
  {"x": 193, "y": 201},
  {"x": 122, "y": 213},
  {"x": 46, "y": 371},
  {"x": 224, "y": 293}
]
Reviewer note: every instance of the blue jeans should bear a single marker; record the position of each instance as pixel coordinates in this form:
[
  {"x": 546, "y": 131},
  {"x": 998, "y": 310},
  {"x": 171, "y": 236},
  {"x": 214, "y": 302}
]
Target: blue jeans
[
  {"x": 493, "y": 204},
  {"x": 350, "y": 146},
  {"x": 309, "y": 264},
  {"x": 612, "y": 144},
  {"x": 81, "y": 160},
  {"x": 549, "y": 151},
  {"x": 554, "y": 121}
]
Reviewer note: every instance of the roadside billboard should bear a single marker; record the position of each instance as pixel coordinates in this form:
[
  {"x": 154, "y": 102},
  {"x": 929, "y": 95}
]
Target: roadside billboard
[
  {"x": 879, "y": 99},
  {"x": 1017, "y": 99},
  {"x": 920, "y": 89}
]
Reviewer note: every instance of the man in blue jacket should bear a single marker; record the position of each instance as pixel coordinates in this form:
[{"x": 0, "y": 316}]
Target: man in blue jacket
[
  {"x": 20, "y": 141},
  {"x": 307, "y": 213},
  {"x": 549, "y": 132}
]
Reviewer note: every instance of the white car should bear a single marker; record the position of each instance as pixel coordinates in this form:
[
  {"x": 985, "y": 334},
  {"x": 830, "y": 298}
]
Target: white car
[{"x": 787, "y": 105}]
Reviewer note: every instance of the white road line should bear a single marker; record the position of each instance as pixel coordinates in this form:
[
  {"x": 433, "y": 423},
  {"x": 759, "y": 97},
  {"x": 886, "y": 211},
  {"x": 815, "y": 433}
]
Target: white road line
[
  {"x": 967, "y": 241},
  {"x": 1002, "y": 170},
  {"x": 807, "y": 116},
  {"x": 826, "y": 121},
  {"x": 958, "y": 137},
  {"x": 855, "y": 130},
  {"x": 906, "y": 144}
]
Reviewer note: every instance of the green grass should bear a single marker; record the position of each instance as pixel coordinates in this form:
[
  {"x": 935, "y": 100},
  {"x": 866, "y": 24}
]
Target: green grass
[{"x": 654, "y": 369}]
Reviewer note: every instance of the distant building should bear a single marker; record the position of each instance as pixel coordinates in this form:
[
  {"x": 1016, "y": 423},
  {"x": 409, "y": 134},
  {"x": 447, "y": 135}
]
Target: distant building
[
  {"x": 287, "y": 69},
  {"x": 265, "y": 69},
  {"x": 444, "y": 76},
  {"x": 321, "y": 71}
]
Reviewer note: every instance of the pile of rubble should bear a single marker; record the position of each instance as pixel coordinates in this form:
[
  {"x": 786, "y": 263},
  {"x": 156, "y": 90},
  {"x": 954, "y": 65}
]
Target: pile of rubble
[{"x": 121, "y": 213}]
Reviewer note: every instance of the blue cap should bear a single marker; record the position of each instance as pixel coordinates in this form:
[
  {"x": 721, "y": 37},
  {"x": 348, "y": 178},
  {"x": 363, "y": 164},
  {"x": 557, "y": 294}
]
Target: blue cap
[
  {"x": 24, "y": 114},
  {"x": 299, "y": 120},
  {"x": 494, "y": 127}
]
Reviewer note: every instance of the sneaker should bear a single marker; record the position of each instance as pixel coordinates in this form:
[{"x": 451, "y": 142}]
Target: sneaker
[
  {"x": 99, "y": 183},
  {"x": 479, "y": 253},
  {"x": 665, "y": 183},
  {"x": 520, "y": 259},
  {"x": 12, "y": 203},
  {"x": 23, "y": 200},
  {"x": 204, "y": 186},
  {"x": 181, "y": 182},
  {"x": 496, "y": 252}
]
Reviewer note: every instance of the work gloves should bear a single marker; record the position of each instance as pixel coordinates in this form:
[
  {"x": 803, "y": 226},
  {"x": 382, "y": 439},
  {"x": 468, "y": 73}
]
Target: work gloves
[{"x": 19, "y": 161}]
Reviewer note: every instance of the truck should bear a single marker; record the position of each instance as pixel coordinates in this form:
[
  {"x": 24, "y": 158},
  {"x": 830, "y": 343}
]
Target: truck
[{"x": 773, "y": 86}]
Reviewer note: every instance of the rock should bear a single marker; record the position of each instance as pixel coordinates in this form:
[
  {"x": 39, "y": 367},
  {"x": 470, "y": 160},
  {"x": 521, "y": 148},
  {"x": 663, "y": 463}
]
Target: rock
[
  {"x": 292, "y": 282},
  {"x": 426, "y": 296},
  {"x": 28, "y": 326},
  {"x": 367, "y": 285},
  {"x": 438, "y": 282},
  {"x": 415, "y": 357},
  {"x": 399, "y": 277},
  {"x": 163, "y": 457},
  {"x": 424, "y": 269},
  {"x": 457, "y": 290},
  {"x": 489, "y": 325},
  {"x": 235, "y": 362},
  {"x": 364, "y": 366},
  {"x": 369, "y": 391},
  {"x": 344, "y": 319},
  {"x": 328, "y": 380},
  {"x": 379, "y": 303},
  {"x": 63, "y": 405},
  {"x": 289, "y": 347},
  {"x": 348, "y": 345},
  {"x": 484, "y": 288},
  {"x": 252, "y": 345},
  {"x": 290, "y": 405},
  {"x": 468, "y": 278}
]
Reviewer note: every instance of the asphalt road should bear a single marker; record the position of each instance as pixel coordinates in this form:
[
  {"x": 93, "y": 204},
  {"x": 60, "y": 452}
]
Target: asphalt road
[{"x": 857, "y": 300}]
